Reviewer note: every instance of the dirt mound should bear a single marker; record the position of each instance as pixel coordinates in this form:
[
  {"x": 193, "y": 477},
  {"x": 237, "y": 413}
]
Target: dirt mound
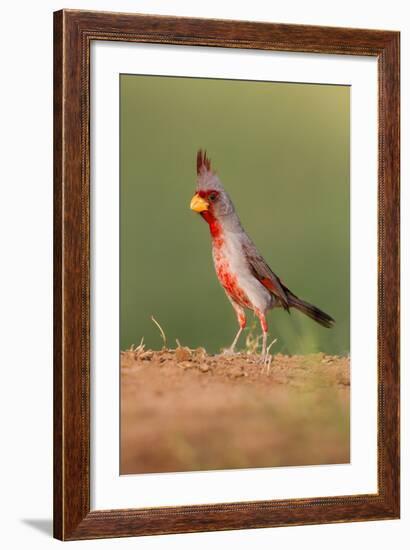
[{"x": 185, "y": 410}]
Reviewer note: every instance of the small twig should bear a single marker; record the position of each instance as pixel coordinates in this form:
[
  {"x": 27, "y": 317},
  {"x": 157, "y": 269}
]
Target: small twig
[
  {"x": 178, "y": 343},
  {"x": 271, "y": 344},
  {"x": 164, "y": 339},
  {"x": 141, "y": 346},
  {"x": 268, "y": 356}
]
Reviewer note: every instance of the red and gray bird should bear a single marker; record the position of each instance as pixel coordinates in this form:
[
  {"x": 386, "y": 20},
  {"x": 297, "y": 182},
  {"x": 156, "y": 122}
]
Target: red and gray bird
[{"x": 247, "y": 279}]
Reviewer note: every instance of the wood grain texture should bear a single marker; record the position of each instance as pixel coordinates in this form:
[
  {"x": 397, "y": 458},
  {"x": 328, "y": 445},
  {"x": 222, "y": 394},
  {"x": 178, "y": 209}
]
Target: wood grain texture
[
  {"x": 73, "y": 32},
  {"x": 58, "y": 286}
]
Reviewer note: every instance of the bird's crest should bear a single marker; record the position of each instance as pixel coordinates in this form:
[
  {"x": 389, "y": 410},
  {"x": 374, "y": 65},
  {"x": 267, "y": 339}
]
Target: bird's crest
[
  {"x": 203, "y": 164},
  {"x": 207, "y": 179}
]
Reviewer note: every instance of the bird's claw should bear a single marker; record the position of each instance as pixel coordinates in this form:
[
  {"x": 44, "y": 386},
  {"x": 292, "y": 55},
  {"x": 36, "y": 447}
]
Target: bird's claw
[{"x": 265, "y": 360}]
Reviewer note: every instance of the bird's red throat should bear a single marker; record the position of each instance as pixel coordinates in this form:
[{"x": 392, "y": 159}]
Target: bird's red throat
[{"x": 214, "y": 225}]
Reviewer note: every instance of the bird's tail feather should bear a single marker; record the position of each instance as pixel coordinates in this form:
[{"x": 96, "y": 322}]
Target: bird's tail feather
[{"x": 311, "y": 311}]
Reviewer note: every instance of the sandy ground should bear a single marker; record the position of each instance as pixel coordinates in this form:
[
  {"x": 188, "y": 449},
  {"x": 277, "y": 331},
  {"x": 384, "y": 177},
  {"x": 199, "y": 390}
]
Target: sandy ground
[{"x": 184, "y": 410}]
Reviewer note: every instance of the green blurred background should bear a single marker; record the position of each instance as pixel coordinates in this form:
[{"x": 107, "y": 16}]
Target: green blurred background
[{"x": 282, "y": 152}]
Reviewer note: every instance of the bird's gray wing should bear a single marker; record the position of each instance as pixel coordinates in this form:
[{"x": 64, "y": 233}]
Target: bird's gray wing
[{"x": 264, "y": 274}]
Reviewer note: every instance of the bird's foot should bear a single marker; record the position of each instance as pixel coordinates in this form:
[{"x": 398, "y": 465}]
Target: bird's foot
[
  {"x": 265, "y": 361},
  {"x": 264, "y": 358}
]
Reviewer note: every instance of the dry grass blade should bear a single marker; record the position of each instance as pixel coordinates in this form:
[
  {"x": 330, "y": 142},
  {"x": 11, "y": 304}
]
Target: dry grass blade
[
  {"x": 268, "y": 357},
  {"x": 253, "y": 340},
  {"x": 164, "y": 338}
]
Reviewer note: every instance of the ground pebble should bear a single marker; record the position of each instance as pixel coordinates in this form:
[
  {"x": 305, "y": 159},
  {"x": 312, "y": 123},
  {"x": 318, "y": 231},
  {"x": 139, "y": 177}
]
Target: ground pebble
[
  {"x": 182, "y": 354},
  {"x": 186, "y": 364}
]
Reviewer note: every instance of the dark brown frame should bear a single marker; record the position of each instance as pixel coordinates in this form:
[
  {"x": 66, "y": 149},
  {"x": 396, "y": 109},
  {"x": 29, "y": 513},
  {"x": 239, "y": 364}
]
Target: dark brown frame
[{"x": 73, "y": 33}]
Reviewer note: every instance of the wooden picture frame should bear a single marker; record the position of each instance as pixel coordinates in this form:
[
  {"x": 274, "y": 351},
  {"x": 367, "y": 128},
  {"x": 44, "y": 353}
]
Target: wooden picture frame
[{"x": 74, "y": 32}]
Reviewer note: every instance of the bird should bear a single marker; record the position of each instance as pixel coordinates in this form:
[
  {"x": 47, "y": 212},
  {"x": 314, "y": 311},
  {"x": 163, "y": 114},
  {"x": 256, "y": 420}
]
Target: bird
[{"x": 248, "y": 281}]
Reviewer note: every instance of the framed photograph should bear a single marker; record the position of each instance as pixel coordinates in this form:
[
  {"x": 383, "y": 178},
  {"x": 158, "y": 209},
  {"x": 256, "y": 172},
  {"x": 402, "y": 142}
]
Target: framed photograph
[{"x": 226, "y": 275}]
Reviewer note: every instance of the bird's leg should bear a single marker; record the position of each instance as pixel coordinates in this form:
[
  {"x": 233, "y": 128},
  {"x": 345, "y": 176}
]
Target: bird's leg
[
  {"x": 264, "y": 338},
  {"x": 264, "y": 327},
  {"x": 240, "y": 315}
]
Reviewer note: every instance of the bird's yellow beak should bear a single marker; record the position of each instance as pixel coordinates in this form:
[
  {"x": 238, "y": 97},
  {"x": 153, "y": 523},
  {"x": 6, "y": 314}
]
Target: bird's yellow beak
[{"x": 198, "y": 204}]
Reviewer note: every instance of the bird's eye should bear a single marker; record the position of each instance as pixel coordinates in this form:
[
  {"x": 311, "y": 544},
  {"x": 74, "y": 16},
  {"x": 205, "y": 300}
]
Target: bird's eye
[{"x": 212, "y": 197}]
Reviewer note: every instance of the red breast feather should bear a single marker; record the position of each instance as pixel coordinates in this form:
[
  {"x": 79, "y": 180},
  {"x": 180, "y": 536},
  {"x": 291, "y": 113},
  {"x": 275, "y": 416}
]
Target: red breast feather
[{"x": 229, "y": 281}]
